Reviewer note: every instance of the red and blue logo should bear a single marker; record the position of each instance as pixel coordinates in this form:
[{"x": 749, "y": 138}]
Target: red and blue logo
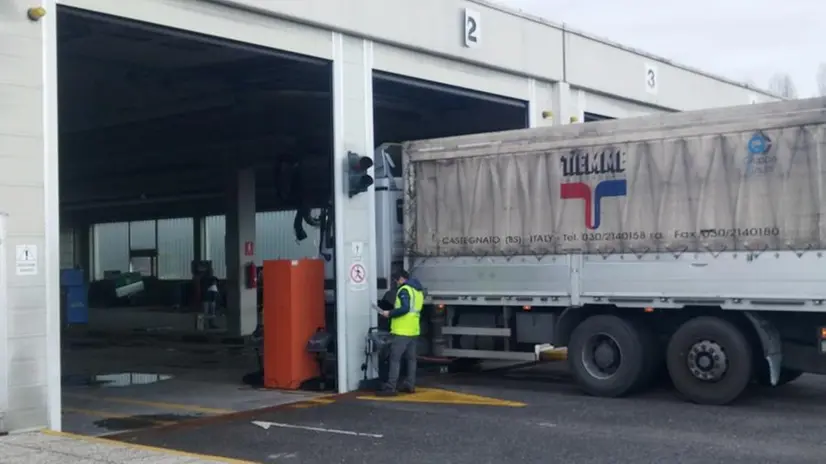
[{"x": 593, "y": 198}]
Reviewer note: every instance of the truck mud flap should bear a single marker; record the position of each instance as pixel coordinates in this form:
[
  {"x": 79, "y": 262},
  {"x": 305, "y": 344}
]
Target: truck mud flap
[{"x": 771, "y": 344}]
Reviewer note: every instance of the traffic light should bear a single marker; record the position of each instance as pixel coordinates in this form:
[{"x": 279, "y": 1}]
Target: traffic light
[{"x": 358, "y": 181}]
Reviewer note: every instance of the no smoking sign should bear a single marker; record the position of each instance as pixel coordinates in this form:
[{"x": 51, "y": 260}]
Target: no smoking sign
[{"x": 358, "y": 276}]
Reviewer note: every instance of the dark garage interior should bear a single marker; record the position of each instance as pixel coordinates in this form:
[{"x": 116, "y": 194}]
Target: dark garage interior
[{"x": 151, "y": 122}]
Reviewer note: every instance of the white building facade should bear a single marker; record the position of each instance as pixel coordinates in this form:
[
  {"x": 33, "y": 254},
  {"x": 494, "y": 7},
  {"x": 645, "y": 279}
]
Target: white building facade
[{"x": 563, "y": 75}]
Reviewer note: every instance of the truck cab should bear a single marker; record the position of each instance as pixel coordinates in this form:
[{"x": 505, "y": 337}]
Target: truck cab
[{"x": 389, "y": 193}]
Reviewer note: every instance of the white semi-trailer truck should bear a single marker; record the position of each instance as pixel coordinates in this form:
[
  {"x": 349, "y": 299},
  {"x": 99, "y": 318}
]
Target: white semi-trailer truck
[{"x": 693, "y": 241}]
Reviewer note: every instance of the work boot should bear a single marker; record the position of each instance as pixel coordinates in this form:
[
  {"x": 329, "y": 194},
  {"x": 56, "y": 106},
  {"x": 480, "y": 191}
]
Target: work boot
[
  {"x": 386, "y": 390},
  {"x": 407, "y": 389}
]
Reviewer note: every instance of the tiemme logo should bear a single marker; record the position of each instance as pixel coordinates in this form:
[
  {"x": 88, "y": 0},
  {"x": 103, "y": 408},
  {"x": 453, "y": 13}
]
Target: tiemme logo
[{"x": 583, "y": 164}]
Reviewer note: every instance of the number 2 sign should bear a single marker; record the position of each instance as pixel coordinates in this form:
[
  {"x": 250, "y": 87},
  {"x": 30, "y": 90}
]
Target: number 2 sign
[{"x": 473, "y": 30}]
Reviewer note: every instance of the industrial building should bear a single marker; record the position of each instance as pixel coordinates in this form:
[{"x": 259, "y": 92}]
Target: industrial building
[{"x": 139, "y": 137}]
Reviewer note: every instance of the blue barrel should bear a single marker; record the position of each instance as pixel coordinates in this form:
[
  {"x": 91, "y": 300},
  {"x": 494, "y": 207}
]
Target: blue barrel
[{"x": 75, "y": 296}]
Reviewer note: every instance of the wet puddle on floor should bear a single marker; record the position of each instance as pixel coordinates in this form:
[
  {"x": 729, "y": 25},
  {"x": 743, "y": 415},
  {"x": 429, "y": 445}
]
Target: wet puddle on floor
[
  {"x": 124, "y": 379},
  {"x": 142, "y": 421}
]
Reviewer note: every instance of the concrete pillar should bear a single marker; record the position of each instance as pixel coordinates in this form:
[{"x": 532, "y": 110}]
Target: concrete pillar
[
  {"x": 578, "y": 106},
  {"x": 197, "y": 238},
  {"x": 242, "y": 311},
  {"x": 355, "y": 218},
  {"x": 562, "y": 103},
  {"x": 568, "y": 103},
  {"x": 29, "y": 189},
  {"x": 541, "y": 110}
]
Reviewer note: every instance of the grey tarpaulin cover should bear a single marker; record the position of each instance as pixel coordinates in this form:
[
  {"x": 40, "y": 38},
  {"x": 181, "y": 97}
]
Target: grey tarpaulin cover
[{"x": 720, "y": 182}]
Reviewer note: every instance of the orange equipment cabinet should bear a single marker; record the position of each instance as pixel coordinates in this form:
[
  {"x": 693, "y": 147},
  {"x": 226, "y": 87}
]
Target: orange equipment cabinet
[{"x": 293, "y": 311}]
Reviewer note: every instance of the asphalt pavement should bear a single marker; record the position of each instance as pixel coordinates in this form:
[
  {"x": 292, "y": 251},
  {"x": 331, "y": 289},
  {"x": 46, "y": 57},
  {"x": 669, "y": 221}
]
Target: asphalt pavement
[{"x": 528, "y": 416}]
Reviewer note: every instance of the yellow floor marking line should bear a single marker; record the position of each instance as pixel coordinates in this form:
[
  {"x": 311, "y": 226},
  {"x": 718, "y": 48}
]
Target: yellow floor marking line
[
  {"x": 310, "y": 403},
  {"x": 152, "y": 404},
  {"x": 294, "y": 392},
  {"x": 115, "y": 444},
  {"x": 435, "y": 395},
  {"x": 321, "y": 401},
  {"x": 111, "y": 415}
]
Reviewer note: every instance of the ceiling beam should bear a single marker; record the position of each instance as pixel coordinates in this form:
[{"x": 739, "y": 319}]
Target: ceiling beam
[
  {"x": 299, "y": 176},
  {"x": 190, "y": 151},
  {"x": 171, "y": 208},
  {"x": 248, "y": 115}
]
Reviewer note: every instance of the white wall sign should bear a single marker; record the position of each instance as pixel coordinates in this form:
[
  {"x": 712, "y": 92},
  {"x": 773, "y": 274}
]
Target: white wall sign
[
  {"x": 26, "y": 260},
  {"x": 473, "y": 28},
  {"x": 358, "y": 276},
  {"x": 357, "y": 249},
  {"x": 652, "y": 79}
]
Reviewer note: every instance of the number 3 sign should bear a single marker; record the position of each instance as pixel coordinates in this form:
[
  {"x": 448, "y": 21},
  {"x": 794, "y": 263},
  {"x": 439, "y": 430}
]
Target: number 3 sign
[
  {"x": 473, "y": 30},
  {"x": 652, "y": 79}
]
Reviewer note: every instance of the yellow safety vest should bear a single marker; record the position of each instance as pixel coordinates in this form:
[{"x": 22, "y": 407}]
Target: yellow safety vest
[{"x": 408, "y": 324}]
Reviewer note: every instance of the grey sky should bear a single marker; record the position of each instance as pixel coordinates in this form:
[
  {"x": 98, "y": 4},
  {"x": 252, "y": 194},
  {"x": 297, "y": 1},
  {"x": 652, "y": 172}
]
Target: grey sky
[{"x": 740, "y": 39}]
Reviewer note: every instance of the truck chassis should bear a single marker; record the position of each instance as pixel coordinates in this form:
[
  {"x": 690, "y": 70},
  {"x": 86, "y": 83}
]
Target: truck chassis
[{"x": 695, "y": 315}]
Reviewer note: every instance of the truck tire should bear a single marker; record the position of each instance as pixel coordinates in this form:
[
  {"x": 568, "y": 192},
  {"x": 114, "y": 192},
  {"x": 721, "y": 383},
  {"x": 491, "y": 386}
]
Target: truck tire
[
  {"x": 709, "y": 361},
  {"x": 606, "y": 356},
  {"x": 786, "y": 376}
]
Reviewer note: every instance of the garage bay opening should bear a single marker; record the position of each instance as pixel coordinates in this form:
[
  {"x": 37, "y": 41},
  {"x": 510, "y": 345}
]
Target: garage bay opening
[
  {"x": 185, "y": 161},
  {"x": 409, "y": 109}
]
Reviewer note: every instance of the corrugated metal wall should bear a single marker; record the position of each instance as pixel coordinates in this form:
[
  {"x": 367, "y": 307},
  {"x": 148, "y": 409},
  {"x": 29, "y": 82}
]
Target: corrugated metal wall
[
  {"x": 275, "y": 239},
  {"x": 214, "y": 231},
  {"x": 175, "y": 248},
  {"x": 111, "y": 248}
]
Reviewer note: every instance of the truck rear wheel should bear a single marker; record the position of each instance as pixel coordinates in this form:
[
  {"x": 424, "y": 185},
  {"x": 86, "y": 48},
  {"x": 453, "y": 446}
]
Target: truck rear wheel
[
  {"x": 606, "y": 356},
  {"x": 709, "y": 361}
]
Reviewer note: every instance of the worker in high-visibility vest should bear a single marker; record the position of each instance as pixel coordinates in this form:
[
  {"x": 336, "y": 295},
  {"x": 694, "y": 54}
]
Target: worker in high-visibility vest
[{"x": 404, "y": 328}]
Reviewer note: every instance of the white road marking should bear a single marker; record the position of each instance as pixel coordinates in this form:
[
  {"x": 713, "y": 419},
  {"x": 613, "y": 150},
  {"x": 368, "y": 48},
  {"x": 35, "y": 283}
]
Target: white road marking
[
  {"x": 277, "y": 456},
  {"x": 267, "y": 425}
]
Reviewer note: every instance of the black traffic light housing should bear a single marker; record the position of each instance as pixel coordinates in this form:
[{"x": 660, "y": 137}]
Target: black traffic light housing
[{"x": 358, "y": 181}]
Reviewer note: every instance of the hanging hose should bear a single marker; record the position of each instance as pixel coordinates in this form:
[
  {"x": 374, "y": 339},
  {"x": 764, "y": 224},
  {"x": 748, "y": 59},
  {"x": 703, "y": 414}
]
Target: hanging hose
[
  {"x": 323, "y": 222},
  {"x": 303, "y": 215},
  {"x": 300, "y": 234},
  {"x": 326, "y": 237}
]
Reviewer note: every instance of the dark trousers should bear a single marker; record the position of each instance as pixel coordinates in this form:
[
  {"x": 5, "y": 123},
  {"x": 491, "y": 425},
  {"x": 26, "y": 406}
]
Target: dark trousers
[
  {"x": 210, "y": 304},
  {"x": 402, "y": 346}
]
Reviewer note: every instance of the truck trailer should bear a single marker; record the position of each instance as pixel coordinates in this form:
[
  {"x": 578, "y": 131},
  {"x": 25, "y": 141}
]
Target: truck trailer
[{"x": 690, "y": 242}]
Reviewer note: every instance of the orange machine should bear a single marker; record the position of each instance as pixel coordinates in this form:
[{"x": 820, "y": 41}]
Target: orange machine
[{"x": 293, "y": 311}]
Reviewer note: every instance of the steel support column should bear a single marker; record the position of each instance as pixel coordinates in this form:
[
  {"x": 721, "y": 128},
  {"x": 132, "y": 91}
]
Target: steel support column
[
  {"x": 242, "y": 302},
  {"x": 355, "y": 218}
]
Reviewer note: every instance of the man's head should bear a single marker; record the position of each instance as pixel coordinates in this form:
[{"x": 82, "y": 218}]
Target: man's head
[{"x": 401, "y": 276}]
